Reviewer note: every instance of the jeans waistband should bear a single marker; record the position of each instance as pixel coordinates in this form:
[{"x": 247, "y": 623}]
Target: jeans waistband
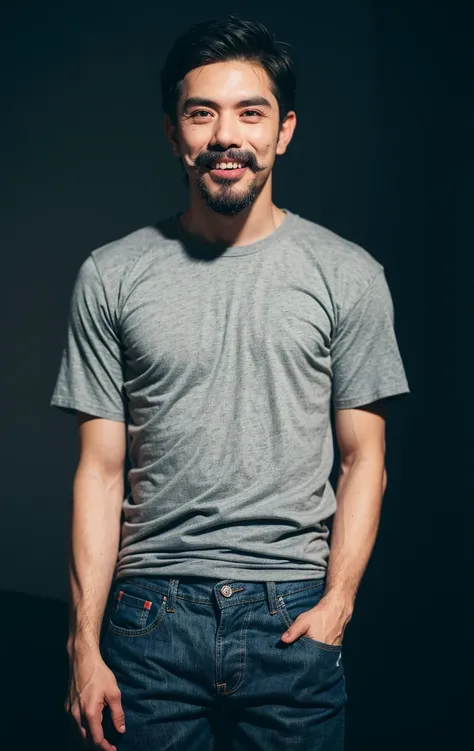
[{"x": 228, "y": 592}]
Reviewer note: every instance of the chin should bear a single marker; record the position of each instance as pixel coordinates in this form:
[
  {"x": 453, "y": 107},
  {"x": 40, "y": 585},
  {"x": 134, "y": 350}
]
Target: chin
[
  {"x": 227, "y": 199},
  {"x": 230, "y": 204}
]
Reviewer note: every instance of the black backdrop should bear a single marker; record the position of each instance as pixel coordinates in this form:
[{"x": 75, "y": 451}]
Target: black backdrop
[{"x": 382, "y": 155}]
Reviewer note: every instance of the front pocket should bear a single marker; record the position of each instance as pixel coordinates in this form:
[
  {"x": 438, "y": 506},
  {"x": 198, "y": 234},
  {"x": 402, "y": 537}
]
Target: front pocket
[
  {"x": 135, "y": 612},
  {"x": 292, "y": 605}
]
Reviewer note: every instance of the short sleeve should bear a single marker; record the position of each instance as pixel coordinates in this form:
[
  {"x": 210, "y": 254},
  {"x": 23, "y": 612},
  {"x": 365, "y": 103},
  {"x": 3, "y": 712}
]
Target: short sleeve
[
  {"x": 90, "y": 375},
  {"x": 365, "y": 358}
]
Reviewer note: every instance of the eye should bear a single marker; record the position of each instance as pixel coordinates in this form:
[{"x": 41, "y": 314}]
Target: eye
[
  {"x": 251, "y": 113},
  {"x": 200, "y": 114}
]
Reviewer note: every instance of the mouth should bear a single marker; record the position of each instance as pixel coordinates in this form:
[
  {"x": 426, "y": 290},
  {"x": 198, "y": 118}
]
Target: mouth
[{"x": 228, "y": 170}]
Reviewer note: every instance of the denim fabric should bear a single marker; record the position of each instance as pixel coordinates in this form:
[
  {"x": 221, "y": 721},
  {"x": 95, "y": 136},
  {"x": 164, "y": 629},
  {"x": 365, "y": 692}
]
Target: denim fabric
[{"x": 201, "y": 667}]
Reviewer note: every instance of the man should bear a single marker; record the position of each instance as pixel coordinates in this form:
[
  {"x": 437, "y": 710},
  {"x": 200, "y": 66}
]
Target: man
[{"x": 209, "y": 349}]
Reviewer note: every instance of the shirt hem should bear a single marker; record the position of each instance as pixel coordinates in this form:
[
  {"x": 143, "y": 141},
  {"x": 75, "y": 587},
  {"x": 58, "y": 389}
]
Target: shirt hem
[
  {"x": 223, "y": 572},
  {"x": 73, "y": 406},
  {"x": 369, "y": 397}
]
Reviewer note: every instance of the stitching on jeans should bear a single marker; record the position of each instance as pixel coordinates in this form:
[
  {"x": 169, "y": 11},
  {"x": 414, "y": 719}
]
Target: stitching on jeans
[
  {"x": 331, "y": 648},
  {"x": 243, "y": 645},
  {"x": 218, "y": 657},
  {"x": 198, "y": 600},
  {"x": 143, "y": 631},
  {"x": 144, "y": 617},
  {"x": 122, "y": 601}
]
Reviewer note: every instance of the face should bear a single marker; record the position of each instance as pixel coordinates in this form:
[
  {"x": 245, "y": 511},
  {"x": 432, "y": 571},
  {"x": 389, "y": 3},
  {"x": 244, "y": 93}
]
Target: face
[{"x": 228, "y": 133}]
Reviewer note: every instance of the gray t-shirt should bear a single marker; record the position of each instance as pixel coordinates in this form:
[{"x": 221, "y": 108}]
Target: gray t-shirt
[{"x": 224, "y": 363}]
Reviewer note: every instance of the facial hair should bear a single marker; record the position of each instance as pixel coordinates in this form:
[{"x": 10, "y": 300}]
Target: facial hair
[{"x": 225, "y": 201}]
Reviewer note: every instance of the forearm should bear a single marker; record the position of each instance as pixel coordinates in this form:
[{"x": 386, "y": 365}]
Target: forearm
[
  {"x": 359, "y": 494},
  {"x": 94, "y": 541}
]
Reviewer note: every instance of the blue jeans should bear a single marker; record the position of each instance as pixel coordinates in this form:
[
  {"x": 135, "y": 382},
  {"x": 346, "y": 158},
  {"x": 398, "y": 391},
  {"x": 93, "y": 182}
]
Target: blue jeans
[{"x": 201, "y": 667}]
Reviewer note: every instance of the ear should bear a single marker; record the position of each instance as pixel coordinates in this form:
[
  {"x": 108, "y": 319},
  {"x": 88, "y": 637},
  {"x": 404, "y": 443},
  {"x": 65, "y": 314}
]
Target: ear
[
  {"x": 171, "y": 132},
  {"x": 287, "y": 129}
]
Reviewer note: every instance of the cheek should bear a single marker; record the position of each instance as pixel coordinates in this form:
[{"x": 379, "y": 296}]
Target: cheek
[
  {"x": 266, "y": 142},
  {"x": 267, "y": 152},
  {"x": 188, "y": 160},
  {"x": 193, "y": 143},
  {"x": 188, "y": 138}
]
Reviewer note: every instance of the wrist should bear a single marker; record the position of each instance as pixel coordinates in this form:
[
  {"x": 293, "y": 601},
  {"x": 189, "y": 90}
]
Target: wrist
[
  {"x": 81, "y": 645},
  {"x": 339, "y": 602}
]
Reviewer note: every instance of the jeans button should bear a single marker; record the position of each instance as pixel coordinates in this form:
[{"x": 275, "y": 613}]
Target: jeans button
[{"x": 226, "y": 591}]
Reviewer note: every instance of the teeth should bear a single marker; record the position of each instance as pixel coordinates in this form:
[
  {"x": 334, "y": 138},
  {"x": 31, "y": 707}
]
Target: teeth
[{"x": 228, "y": 165}]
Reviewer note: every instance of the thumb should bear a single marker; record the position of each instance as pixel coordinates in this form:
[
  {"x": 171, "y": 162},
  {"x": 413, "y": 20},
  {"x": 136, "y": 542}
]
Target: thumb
[
  {"x": 296, "y": 630},
  {"x": 116, "y": 710}
]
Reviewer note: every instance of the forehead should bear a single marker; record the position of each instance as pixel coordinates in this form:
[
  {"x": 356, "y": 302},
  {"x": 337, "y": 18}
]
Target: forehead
[{"x": 232, "y": 80}]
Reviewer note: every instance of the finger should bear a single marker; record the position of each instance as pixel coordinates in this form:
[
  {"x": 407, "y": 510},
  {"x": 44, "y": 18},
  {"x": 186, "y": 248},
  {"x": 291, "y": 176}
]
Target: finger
[
  {"x": 289, "y": 636},
  {"x": 82, "y": 732},
  {"x": 104, "y": 746},
  {"x": 116, "y": 710},
  {"x": 94, "y": 725},
  {"x": 296, "y": 630},
  {"x": 76, "y": 715},
  {"x": 97, "y": 737}
]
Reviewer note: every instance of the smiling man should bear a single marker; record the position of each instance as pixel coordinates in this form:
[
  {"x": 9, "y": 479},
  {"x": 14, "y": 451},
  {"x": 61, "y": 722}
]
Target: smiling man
[
  {"x": 226, "y": 170},
  {"x": 227, "y": 127},
  {"x": 208, "y": 605}
]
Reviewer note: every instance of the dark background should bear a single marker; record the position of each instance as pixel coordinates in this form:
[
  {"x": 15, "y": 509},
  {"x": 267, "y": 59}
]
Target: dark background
[{"x": 382, "y": 155}]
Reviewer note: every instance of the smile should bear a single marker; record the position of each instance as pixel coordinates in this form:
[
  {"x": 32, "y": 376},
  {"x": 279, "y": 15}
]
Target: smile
[
  {"x": 228, "y": 165},
  {"x": 228, "y": 170}
]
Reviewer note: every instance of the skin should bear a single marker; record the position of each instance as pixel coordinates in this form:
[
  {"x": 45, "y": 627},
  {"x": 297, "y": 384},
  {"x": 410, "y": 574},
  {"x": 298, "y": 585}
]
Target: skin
[
  {"x": 98, "y": 484},
  {"x": 227, "y": 125}
]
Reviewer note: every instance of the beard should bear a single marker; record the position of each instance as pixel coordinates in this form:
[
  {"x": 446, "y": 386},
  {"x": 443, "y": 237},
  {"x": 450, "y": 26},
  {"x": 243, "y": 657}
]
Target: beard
[{"x": 226, "y": 200}]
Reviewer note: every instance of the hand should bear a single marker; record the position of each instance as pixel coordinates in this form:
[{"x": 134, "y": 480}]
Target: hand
[
  {"x": 325, "y": 623},
  {"x": 92, "y": 685}
]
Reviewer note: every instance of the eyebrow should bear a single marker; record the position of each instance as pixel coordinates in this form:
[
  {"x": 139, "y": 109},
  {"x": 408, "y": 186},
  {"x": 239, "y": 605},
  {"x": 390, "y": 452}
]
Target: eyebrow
[{"x": 196, "y": 101}]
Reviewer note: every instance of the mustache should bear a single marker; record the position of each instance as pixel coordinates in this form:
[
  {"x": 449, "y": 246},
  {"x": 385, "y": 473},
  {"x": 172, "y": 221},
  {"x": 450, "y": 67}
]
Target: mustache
[{"x": 209, "y": 158}]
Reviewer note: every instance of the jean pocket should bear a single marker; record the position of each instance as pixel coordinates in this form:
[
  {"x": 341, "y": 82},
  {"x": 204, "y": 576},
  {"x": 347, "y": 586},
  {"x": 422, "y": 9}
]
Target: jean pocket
[
  {"x": 135, "y": 611},
  {"x": 293, "y": 604}
]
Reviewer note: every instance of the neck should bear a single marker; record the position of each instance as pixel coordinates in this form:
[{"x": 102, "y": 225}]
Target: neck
[{"x": 248, "y": 226}]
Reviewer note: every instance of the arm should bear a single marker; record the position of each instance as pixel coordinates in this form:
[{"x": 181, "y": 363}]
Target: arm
[
  {"x": 95, "y": 533},
  {"x": 366, "y": 370},
  {"x": 361, "y": 484}
]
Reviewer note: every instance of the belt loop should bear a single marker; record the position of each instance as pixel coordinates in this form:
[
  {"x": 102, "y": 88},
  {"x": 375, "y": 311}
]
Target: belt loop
[
  {"x": 272, "y": 598},
  {"x": 172, "y": 592}
]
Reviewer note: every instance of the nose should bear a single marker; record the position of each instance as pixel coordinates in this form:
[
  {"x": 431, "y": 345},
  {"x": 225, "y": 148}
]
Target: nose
[{"x": 226, "y": 133}]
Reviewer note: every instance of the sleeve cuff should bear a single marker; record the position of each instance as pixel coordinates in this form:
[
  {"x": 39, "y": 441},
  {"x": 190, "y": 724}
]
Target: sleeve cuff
[
  {"x": 73, "y": 406},
  {"x": 371, "y": 396}
]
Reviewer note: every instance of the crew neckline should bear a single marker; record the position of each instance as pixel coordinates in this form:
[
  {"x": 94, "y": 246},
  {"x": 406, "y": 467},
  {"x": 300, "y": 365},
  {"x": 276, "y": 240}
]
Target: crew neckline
[{"x": 229, "y": 251}]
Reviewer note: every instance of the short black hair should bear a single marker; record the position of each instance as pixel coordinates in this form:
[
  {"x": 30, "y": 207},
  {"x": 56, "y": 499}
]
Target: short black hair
[{"x": 230, "y": 39}]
